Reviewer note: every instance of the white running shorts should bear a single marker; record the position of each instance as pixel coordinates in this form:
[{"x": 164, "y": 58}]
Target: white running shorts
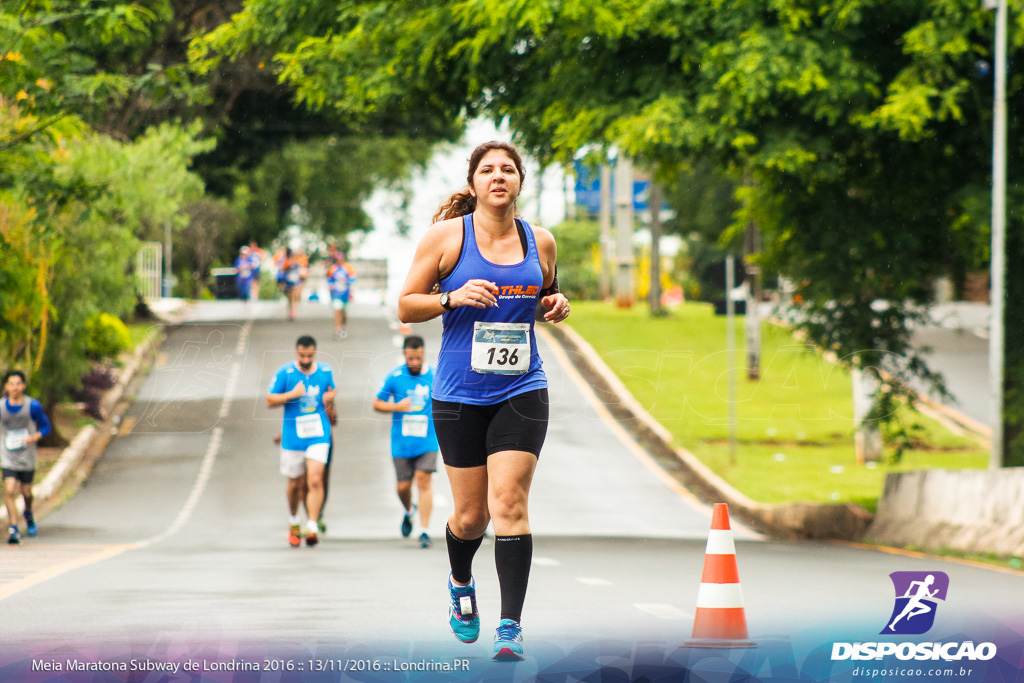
[{"x": 293, "y": 463}]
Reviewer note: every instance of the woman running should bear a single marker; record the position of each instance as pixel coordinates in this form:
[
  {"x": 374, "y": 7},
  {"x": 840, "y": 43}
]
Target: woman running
[{"x": 491, "y": 275}]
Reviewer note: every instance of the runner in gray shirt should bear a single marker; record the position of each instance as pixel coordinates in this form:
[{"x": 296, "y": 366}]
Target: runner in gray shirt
[{"x": 22, "y": 423}]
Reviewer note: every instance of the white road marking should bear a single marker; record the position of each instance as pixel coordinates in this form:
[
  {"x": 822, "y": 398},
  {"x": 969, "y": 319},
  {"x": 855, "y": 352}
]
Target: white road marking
[
  {"x": 212, "y": 448},
  {"x": 594, "y": 581},
  {"x": 546, "y": 562},
  {"x": 663, "y": 611}
]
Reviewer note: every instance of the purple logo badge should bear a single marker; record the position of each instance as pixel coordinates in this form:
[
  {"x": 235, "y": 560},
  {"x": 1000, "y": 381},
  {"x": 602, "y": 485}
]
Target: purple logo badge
[{"x": 917, "y": 596}]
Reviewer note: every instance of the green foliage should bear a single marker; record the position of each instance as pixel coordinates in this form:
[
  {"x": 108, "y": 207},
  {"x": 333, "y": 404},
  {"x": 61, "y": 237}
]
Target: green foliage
[
  {"x": 578, "y": 273},
  {"x": 104, "y": 336},
  {"x": 80, "y": 202},
  {"x": 212, "y": 230},
  {"x": 327, "y": 181},
  {"x": 148, "y": 182},
  {"x": 704, "y": 201},
  {"x": 75, "y": 56},
  {"x": 859, "y": 131}
]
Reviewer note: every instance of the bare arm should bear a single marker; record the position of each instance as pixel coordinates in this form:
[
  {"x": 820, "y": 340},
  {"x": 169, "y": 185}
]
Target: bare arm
[
  {"x": 383, "y": 406},
  {"x": 436, "y": 257},
  {"x": 275, "y": 400}
]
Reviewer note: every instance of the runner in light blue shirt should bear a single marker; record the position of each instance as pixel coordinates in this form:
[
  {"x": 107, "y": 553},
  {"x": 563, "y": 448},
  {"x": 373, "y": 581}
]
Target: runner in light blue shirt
[
  {"x": 405, "y": 394},
  {"x": 305, "y": 388}
]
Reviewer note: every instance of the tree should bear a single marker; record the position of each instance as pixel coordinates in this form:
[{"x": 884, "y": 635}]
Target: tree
[
  {"x": 330, "y": 179},
  {"x": 212, "y": 230},
  {"x": 72, "y": 223},
  {"x": 862, "y": 126}
]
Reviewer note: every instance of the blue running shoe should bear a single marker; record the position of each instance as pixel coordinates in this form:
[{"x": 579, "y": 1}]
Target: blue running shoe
[
  {"x": 424, "y": 540},
  {"x": 30, "y": 524},
  {"x": 508, "y": 642},
  {"x": 463, "y": 617},
  {"x": 14, "y": 538},
  {"x": 407, "y": 521}
]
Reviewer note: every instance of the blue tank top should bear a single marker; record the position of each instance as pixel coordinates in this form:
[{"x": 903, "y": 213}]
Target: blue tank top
[{"x": 519, "y": 285}]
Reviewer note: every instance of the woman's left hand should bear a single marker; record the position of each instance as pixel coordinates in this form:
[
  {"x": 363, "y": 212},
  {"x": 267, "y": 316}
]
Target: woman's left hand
[{"x": 556, "y": 307}]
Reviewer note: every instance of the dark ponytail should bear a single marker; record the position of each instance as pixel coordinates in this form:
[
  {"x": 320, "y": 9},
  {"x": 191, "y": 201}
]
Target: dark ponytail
[{"x": 461, "y": 203}]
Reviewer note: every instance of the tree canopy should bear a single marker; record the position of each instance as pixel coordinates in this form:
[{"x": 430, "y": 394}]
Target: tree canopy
[{"x": 863, "y": 127}]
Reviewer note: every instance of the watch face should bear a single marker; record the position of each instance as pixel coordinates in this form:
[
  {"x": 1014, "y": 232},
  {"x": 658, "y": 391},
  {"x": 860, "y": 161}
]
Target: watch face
[{"x": 444, "y": 300}]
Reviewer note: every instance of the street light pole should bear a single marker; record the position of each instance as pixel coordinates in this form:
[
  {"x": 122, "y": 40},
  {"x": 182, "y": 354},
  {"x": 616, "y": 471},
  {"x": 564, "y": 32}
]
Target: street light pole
[
  {"x": 730, "y": 350},
  {"x": 998, "y": 295},
  {"x": 624, "y": 294}
]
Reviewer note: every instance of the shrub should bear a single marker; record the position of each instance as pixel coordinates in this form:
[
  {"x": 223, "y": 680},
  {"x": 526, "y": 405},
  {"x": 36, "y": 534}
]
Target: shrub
[{"x": 105, "y": 336}]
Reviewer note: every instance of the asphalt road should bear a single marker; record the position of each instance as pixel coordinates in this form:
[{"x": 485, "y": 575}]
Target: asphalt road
[
  {"x": 176, "y": 544},
  {"x": 961, "y": 356}
]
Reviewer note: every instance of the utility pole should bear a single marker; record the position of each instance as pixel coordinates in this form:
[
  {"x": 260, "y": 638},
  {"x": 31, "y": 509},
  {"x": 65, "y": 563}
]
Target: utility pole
[
  {"x": 624, "y": 294},
  {"x": 730, "y": 350},
  {"x": 995, "y": 338},
  {"x": 752, "y": 321},
  {"x": 654, "y": 295},
  {"x": 606, "y": 232}
]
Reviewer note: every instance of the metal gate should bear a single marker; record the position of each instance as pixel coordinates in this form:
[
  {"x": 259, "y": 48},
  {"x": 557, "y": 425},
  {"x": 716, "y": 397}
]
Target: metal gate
[{"x": 149, "y": 269}]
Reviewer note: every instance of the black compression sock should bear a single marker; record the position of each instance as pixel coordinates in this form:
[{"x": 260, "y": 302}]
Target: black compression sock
[
  {"x": 512, "y": 557},
  {"x": 460, "y": 555}
]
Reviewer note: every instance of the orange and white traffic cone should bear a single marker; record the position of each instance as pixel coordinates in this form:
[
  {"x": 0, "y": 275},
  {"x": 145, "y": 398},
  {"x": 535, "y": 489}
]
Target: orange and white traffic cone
[
  {"x": 405, "y": 329},
  {"x": 721, "y": 620}
]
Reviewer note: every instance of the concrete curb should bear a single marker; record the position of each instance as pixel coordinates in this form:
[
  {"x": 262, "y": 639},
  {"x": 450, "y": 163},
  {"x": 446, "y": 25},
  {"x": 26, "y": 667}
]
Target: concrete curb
[
  {"x": 88, "y": 437},
  {"x": 792, "y": 520}
]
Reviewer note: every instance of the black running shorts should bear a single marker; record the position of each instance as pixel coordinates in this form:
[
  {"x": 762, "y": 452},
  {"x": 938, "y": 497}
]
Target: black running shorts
[
  {"x": 23, "y": 476},
  {"x": 469, "y": 433}
]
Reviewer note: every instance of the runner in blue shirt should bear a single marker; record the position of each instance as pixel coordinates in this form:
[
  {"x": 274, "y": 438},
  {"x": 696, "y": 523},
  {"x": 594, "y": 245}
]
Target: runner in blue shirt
[
  {"x": 340, "y": 278},
  {"x": 305, "y": 388},
  {"x": 490, "y": 275},
  {"x": 406, "y": 395},
  {"x": 244, "y": 272}
]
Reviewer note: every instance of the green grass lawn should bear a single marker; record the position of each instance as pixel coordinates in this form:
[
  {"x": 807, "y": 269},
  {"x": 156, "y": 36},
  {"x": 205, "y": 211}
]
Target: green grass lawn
[
  {"x": 140, "y": 331},
  {"x": 794, "y": 424}
]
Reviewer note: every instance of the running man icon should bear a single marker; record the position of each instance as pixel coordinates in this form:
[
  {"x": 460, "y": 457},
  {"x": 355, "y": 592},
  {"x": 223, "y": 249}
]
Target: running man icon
[{"x": 916, "y": 595}]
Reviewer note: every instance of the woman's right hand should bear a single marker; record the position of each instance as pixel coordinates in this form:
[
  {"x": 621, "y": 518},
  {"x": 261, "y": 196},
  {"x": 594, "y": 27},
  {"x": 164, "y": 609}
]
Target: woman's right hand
[{"x": 475, "y": 293}]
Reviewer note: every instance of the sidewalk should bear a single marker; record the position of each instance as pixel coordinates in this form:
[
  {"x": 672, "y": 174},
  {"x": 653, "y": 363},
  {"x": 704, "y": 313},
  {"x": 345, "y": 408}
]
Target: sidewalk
[
  {"x": 967, "y": 316},
  {"x": 958, "y": 348},
  {"x": 168, "y": 309}
]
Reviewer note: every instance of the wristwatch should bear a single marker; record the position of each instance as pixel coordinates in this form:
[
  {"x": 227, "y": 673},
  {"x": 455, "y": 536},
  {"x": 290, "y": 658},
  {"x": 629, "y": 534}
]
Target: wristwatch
[{"x": 446, "y": 303}]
